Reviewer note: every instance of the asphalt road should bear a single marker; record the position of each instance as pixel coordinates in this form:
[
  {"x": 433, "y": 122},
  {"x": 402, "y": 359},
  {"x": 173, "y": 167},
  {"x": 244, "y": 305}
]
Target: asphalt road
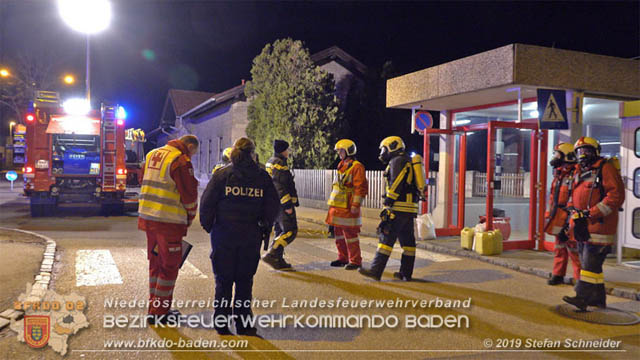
[{"x": 508, "y": 308}]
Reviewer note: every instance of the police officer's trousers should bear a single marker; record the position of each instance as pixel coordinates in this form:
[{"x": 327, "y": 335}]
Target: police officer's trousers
[
  {"x": 285, "y": 231},
  {"x": 401, "y": 229},
  {"x": 234, "y": 261},
  {"x": 590, "y": 287}
]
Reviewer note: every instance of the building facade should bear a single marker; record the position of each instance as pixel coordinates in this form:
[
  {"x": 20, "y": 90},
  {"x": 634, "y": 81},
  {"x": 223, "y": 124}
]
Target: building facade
[{"x": 219, "y": 119}]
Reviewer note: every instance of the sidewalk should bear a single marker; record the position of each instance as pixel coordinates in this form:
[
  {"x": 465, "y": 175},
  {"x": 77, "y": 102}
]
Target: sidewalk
[{"x": 621, "y": 281}]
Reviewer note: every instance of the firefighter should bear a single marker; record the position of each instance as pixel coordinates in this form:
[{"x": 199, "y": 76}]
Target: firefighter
[
  {"x": 563, "y": 163},
  {"x": 236, "y": 201},
  {"x": 344, "y": 203},
  {"x": 168, "y": 204},
  {"x": 597, "y": 196},
  {"x": 226, "y": 159},
  {"x": 399, "y": 212},
  {"x": 286, "y": 227}
]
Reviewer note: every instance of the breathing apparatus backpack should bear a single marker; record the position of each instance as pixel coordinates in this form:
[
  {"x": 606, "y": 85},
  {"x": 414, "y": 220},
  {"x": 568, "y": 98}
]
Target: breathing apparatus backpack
[{"x": 418, "y": 174}]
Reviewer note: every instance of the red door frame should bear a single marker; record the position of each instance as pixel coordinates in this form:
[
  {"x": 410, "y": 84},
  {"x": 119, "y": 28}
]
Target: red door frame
[
  {"x": 450, "y": 229},
  {"x": 537, "y": 191}
]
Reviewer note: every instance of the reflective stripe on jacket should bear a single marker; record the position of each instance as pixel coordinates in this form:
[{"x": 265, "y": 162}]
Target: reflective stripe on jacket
[
  {"x": 400, "y": 190},
  {"x": 159, "y": 196},
  {"x": 351, "y": 174},
  {"x": 602, "y": 205}
]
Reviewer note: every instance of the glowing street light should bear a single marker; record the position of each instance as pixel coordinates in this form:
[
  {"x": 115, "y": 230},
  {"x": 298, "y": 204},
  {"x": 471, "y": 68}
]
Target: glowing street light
[
  {"x": 4, "y": 72},
  {"x": 69, "y": 79},
  {"x": 88, "y": 17}
]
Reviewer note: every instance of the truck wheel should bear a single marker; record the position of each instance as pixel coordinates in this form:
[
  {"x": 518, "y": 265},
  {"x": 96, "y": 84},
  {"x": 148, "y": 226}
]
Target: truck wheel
[
  {"x": 112, "y": 209},
  {"x": 37, "y": 210}
]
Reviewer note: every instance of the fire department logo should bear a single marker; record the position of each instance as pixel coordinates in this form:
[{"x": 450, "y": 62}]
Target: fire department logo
[
  {"x": 157, "y": 159},
  {"x": 36, "y": 330}
]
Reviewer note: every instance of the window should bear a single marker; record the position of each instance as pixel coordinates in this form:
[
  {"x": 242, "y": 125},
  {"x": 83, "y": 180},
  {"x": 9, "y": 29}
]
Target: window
[
  {"x": 635, "y": 228},
  {"x": 636, "y": 182},
  {"x": 637, "y": 142},
  {"x": 601, "y": 121}
]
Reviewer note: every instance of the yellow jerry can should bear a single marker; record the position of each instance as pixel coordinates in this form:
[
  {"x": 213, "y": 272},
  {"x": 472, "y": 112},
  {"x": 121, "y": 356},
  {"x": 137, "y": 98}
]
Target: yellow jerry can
[
  {"x": 483, "y": 243},
  {"x": 466, "y": 238},
  {"x": 497, "y": 242}
]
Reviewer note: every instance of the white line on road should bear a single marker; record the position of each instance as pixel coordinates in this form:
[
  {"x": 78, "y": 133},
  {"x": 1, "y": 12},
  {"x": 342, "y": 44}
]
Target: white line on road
[
  {"x": 368, "y": 255},
  {"x": 96, "y": 267},
  {"x": 187, "y": 269}
]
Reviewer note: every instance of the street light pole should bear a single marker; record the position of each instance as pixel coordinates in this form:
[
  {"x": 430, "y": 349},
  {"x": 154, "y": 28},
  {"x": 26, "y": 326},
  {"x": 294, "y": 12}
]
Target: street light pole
[
  {"x": 88, "y": 78},
  {"x": 88, "y": 17}
]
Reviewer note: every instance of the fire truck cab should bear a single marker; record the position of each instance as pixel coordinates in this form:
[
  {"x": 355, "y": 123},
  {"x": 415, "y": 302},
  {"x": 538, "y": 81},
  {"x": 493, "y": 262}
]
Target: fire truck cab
[{"x": 73, "y": 158}]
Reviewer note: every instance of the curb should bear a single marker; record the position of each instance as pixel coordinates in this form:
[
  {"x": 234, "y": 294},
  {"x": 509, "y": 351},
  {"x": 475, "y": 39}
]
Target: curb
[
  {"x": 42, "y": 280},
  {"x": 545, "y": 274}
]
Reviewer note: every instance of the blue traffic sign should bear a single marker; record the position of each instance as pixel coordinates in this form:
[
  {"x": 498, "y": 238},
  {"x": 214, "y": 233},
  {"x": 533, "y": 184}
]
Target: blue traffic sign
[
  {"x": 552, "y": 109},
  {"x": 424, "y": 120},
  {"x": 11, "y": 175}
]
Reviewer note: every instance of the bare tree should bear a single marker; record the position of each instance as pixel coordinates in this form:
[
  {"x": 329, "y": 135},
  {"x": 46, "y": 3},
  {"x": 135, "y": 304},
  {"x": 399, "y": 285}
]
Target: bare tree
[{"x": 27, "y": 74}]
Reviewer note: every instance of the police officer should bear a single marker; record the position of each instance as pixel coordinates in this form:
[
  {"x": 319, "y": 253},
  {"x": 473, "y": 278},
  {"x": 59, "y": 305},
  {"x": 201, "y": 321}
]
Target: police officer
[
  {"x": 400, "y": 209},
  {"x": 557, "y": 219},
  {"x": 226, "y": 159},
  {"x": 236, "y": 200},
  {"x": 286, "y": 227},
  {"x": 597, "y": 196}
]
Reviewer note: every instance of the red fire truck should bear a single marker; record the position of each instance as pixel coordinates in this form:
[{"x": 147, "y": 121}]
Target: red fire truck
[{"x": 74, "y": 158}]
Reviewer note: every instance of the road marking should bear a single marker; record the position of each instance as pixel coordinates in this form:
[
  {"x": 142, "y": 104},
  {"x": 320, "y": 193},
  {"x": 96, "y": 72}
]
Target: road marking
[
  {"x": 187, "y": 269},
  {"x": 369, "y": 255},
  {"x": 366, "y": 255},
  {"x": 96, "y": 267}
]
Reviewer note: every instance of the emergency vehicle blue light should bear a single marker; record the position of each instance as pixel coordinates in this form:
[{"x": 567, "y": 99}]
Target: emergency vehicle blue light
[{"x": 121, "y": 113}]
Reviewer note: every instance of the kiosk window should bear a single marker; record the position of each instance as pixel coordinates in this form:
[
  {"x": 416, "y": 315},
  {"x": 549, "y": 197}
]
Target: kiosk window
[
  {"x": 635, "y": 228},
  {"x": 636, "y": 182}
]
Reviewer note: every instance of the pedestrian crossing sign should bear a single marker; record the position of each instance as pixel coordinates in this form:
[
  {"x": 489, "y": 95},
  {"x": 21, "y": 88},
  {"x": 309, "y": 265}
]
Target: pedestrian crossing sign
[{"x": 552, "y": 109}]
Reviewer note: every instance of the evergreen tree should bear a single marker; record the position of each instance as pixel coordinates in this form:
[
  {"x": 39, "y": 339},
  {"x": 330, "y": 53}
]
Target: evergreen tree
[{"x": 292, "y": 99}]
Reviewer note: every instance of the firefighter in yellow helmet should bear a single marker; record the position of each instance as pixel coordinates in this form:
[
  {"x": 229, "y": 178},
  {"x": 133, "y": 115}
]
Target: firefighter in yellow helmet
[
  {"x": 597, "y": 196},
  {"x": 345, "y": 200},
  {"x": 400, "y": 209},
  {"x": 226, "y": 159},
  {"x": 557, "y": 218}
]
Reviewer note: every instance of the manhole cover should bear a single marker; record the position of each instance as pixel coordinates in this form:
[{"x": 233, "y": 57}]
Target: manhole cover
[{"x": 596, "y": 315}]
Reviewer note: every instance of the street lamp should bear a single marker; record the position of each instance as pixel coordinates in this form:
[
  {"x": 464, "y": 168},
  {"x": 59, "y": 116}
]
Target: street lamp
[
  {"x": 88, "y": 17},
  {"x": 69, "y": 79},
  {"x": 4, "y": 72}
]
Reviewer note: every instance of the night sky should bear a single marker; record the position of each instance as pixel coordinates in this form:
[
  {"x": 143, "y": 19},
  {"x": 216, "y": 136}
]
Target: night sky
[{"x": 152, "y": 46}]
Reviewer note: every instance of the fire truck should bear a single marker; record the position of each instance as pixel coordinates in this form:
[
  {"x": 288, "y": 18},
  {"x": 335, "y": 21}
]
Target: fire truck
[
  {"x": 74, "y": 158},
  {"x": 134, "y": 140}
]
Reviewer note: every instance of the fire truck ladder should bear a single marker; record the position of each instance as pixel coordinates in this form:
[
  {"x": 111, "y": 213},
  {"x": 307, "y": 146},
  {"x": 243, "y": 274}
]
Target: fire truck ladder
[{"x": 108, "y": 147}]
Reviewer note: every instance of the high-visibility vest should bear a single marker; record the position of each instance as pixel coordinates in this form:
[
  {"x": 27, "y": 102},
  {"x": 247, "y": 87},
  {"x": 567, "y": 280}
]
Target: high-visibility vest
[
  {"x": 340, "y": 193},
  {"x": 159, "y": 197}
]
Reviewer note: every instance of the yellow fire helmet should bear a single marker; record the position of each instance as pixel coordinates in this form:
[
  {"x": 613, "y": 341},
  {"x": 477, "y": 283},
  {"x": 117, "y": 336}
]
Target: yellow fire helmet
[
  {"x": 566, "y": 149},
  {"x": 226, "y": 154},
  {"x": 587, "y": 141},
  {"x": 392, "y": 143},
  {"x": 347, "y": 145}
]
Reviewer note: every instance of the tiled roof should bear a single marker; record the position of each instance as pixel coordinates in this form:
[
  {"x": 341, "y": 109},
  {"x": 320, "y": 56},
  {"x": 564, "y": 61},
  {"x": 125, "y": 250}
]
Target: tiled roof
[
  {"x": 334, "y": 53},
  {"x": 185, "y": 100}
]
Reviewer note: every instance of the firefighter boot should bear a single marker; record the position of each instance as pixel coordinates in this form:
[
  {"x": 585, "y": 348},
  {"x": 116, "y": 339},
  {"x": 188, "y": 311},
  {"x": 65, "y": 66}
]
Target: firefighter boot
[
  {"x": 576, "y": 301},
  {"x": 555, "y": 280},
  {"x": 275, "y": 258},
  {"x": 406, "y": 268},
  {"x": 377, "y": 267}
]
